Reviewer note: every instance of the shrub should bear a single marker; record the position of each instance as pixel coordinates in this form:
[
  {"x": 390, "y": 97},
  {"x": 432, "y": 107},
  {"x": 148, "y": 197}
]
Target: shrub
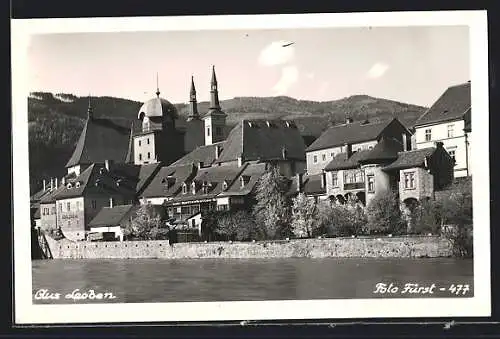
[
  {"x": 341, "y": 220},
  {"x": 145, "y": 225},
  {"x": 303, "y": 218},
  {"x": 384, "y": 214},
  {"x": 426, "y": 217},
  {"x": 238, "y": 225}
]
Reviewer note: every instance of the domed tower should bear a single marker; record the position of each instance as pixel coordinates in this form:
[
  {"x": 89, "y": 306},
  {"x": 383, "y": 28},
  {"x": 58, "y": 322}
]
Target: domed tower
[
  {"x": 215, "y": 119},
  {"x": 158, "y": 140}
]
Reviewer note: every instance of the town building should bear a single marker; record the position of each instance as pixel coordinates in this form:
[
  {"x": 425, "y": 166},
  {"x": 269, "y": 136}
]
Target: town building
[
  {"x": 352, "y": 137},
  {"x": 448, "y": 121}
]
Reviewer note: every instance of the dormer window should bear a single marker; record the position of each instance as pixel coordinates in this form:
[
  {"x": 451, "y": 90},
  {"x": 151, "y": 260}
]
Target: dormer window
[
  {"x": 68, "y": 186},
  {"x": 184, "y": 188},
  {"x": 77, "y": 185},
  {"x": 244, "y": 180},
  {"x": 193, "y": 187},
  {"x": 102, "y": 171},
  {"x": 225, "y": 185}
]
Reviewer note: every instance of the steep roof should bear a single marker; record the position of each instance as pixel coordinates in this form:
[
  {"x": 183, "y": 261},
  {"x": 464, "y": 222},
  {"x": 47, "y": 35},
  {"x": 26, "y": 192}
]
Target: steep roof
[
  {"x": 349, "y": 133},
  {"x": 263, "y": 140},
  {"x": 252, "y": 173},
  {"x": 451, "y": 105},
  {"x": 409, "y": 159},
  {"x": 312, "y": 184},
  {"x": 100, "y": 140},
  {"x": 385, "y": 149},
  {"x": 168, "y": 181},
  {"x": 340, "y": 161},
  {"x": 112, "y": 216},
  {"x": 205, "y": 154}
]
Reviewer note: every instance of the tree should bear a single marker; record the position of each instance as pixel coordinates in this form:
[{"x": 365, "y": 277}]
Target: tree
[
  {"x": 145, "y": 225},
  {"x": 238, "y": 225},
  {"x": 271, "y": 209},
  {"x": 426, "y": 217},
  {"x": 341, "y": 220},
  {"x": 384, "y": 214},
  {"x": 303, "y": 216}
]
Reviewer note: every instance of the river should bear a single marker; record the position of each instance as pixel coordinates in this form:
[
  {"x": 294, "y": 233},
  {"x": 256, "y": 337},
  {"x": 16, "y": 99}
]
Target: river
[{"x": 157, "y": 280}]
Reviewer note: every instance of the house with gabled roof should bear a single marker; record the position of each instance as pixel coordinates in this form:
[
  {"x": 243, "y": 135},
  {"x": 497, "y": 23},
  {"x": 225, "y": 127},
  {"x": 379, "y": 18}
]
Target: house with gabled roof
[
  {"x": 352, "y": 137},
  {"x": 448, "y": 121}
]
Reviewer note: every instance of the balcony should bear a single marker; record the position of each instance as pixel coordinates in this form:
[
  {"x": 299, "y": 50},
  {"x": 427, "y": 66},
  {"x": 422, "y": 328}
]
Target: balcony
[{"x": 354, "y": 186}]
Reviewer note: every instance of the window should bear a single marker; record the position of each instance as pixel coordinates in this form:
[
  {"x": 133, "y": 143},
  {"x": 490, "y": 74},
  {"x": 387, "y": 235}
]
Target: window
[
  {"x": 77, "y": 205},
  {"x": 94, "y": 204},
  {"x": 452, "y": 154},
  {"x": 370, "y": 147},
  {"x": 185, "y": 210},
  {"x": 68, "y": 206},
  {"x": 208, "y": 131},
  {"x": 428, "y": 134},
  {"x": 315, "y": 159},
  {"x": 409, "y": 180},
  {"x": 139, "y": 143},
  {"x": 149, "y": 155},
  {"x": 450, "y": 131},
  {"x": 332, "y": 154},
  {"x": 140, "y": 156},
  {"x": 60, "y": 207},
  {"x": 218, "y": 131},
  {"x": 184, "y": 188},
  {"x": 53, "y": 210},
  {"x": 359, "y": 149},
  {"x": 335, "y": 180},
  {"x": 371, "y": 183},
  {"x": 324, "y": 157},
  {"x": 147, "y": 141},
  {"x": 193, "y": 188}
]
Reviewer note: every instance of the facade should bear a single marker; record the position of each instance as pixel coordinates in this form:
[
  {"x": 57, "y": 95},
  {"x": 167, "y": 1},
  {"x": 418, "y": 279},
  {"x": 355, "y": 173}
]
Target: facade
[
  {"x": 352, "y": 137},
  {"x": 113, "y": 220},
  {"x": 448, "y": 121}
]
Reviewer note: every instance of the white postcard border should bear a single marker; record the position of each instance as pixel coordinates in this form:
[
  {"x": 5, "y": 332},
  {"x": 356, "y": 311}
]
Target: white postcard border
[{"x": 479, "y": 305}]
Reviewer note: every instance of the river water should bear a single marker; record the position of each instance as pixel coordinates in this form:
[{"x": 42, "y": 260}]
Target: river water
[{"x": 157, "y": 280}]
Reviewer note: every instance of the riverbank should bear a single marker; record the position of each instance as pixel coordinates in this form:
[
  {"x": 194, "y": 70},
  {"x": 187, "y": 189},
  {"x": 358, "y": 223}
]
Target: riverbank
[{"x": 363, "y": 247}]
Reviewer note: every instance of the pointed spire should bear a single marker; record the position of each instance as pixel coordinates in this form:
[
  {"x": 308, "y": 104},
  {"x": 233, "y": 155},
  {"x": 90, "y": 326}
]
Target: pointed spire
[
  {"x": 90, "y": 111},
  {"x": 214, "y": 97},
  {"x": 193, "y": 105},
  {"x": 157, "y": 86}
]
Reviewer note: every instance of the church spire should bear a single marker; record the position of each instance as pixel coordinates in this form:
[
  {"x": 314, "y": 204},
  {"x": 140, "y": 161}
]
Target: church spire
[
  {"x": 193, "y": 105},
  {"x": 214, "y": 93},
  {"x": 157, "y": 87},
  {"x": 90, "y": 111}
]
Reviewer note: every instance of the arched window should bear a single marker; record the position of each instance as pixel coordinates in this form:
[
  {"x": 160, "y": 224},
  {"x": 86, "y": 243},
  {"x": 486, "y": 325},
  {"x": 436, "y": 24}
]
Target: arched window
[{"x": 184, "y": 188}]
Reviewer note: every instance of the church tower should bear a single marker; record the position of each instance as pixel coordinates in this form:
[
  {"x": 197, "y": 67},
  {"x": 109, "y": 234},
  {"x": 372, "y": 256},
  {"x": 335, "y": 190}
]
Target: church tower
[
  {"x": 193, "y": 136},
  {"x": 193, "y": 105},
  {"x": 215, "y": 119}
]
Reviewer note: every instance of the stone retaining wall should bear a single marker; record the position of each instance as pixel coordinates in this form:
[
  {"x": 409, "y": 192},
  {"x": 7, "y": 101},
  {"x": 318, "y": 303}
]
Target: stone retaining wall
[{"x": 384, "y": 247}]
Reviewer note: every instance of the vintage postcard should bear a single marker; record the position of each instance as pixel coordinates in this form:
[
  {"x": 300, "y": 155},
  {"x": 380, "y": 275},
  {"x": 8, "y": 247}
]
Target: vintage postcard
[{"x": 251, "y": 167}]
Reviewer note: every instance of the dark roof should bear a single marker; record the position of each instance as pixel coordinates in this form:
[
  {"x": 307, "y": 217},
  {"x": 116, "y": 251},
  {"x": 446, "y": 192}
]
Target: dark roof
[
  {"x": 50, "y": 197},
  {"x": 36, "y": 215},
  {"x": 205, "y": 154},
  {"x": 112, "y": 216},
  {"x": 214, "y": 177},
  {"x": 312, "y": 184},
  {"x": 348, "y": 134},
  {"x": 451, "y": 105},
  {"x": 168, "y": 181},
  {"x": 263, "y": 140},
  {"x": 340, "y": 161},
  {"x": 409, "y": 159},
  {"x": 252, "y": 174},
  {"x": 100, "y": 140},
  {"x": 39, "y": 195},
  {"x": 385, "y": 149}
]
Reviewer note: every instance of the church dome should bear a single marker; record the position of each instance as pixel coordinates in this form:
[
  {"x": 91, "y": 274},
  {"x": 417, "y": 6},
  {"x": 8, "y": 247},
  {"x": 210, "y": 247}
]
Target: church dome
[{"x": 157, "y": 107}]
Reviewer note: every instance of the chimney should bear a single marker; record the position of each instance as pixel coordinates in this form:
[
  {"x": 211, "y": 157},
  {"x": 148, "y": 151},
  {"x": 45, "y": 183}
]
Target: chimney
[
  {"x": 405, "y": 143},
  {"x": 217, "y": 151},
  {"x": 348, "y": 150},
  {"x": 323, "y": 179},
  {"x": 299, "y": 182},
  {"x": 284, "y": 153},
  {"x": 240, "y": 160},
  {"x": 51, "y": 183},
  {"x": 107, "y": 164},
  {"x": 44, "y": 185},
  {"x": 63, "y": 181},
  {"x": 111, "y": 202},
  {"x": 55, "y": 186}
]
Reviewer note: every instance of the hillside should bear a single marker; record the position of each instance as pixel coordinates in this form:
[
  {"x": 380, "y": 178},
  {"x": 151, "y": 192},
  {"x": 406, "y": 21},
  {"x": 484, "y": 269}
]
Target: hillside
[{"x": 56, "y": 120}]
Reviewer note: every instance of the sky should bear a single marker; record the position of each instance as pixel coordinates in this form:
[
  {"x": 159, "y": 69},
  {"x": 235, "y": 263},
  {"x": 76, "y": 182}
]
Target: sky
[{"x": 408, "y": 64}]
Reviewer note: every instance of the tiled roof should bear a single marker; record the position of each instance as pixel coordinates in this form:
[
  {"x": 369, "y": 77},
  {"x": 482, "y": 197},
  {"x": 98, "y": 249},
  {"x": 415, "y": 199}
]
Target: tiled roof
[
  {"x": 263, "y": 140},
  {"x": 112, "y": 216},
  {"x": 340, "y": 161},
  {"x": 214, "y": 177},
  {"x": 39, "y": 195},
  {"x": 349, "y": 133},
  {"x": 168, "y": 181},
  {"x": 252, "y": 173},
  {"x": 414, "y": 158},
  {"x": 452, "y": 104},
  {"x": 205, "y": 154},
  {"x": 100, "y": 140},
  {"x": 312, "y": 184},
  {"x": 385, "y": 149}
]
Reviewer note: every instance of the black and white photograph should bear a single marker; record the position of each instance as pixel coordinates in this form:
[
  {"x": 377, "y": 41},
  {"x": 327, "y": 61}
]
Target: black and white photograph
[{"x": 252, "y": 167}]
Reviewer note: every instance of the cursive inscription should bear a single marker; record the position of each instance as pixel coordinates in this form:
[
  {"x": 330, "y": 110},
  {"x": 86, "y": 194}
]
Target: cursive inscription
[
  {"x": 76, "y": 294},
  {"x": 414, "y": 288}
]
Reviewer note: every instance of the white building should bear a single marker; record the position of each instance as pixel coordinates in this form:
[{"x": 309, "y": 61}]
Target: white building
[{"x": 448, "y": 121}]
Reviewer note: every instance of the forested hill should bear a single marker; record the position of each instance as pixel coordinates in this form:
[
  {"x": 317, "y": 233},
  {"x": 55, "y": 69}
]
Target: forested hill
[{"x": 56, "y": 120}]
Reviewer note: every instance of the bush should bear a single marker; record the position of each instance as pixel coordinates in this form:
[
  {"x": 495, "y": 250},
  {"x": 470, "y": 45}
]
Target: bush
[
  {"x": 238, "y": 225},
  {"x": 146, "y": 225},
  {"x": 341, "y": 220},
  {"x": 426, "y": 217},
  {"x": 384, "y": 215},
  {"x": 303, "y": 218}
]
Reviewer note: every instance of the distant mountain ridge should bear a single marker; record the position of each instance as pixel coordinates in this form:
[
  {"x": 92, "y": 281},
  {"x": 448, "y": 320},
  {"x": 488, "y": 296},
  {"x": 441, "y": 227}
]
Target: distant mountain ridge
[{"x": 56, "y": 120}]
